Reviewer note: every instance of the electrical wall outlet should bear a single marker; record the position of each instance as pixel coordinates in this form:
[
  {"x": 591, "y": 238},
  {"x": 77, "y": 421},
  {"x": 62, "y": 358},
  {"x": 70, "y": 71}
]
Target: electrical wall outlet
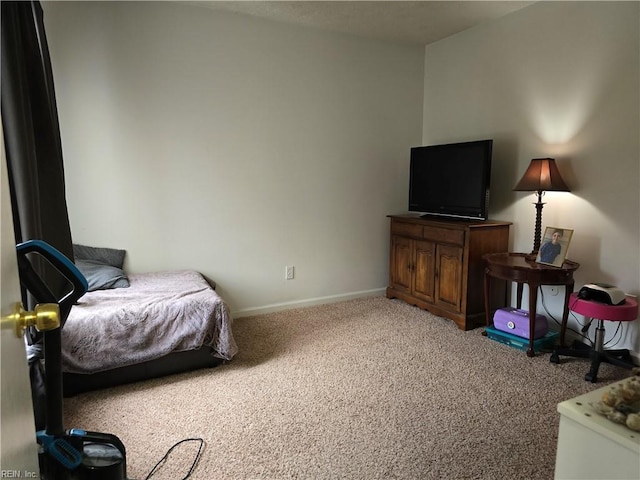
[{"x": 288, "y": 272}]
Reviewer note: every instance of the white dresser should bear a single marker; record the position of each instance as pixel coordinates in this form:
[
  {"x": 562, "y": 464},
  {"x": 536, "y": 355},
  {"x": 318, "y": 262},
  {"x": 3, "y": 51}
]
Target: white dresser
[{"x": 592, "y": 447}]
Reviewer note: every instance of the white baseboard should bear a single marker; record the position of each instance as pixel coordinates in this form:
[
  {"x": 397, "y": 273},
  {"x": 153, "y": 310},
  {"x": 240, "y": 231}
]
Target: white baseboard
[{"x": 277, "y": 307}]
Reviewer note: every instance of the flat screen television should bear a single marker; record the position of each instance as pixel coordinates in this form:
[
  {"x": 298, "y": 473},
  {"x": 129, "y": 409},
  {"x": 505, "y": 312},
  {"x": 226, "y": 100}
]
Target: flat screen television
[{"x": 451, "y": 180}]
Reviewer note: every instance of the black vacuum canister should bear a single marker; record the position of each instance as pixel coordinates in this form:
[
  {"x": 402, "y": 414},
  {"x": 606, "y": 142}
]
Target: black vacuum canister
[
  {"x": 82, "y": 455},
  {"x": 102, "y": 461}
]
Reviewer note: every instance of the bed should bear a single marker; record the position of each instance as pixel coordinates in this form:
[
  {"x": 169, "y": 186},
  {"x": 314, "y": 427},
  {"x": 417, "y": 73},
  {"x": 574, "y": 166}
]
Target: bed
[{"x": 141, "y": 326}]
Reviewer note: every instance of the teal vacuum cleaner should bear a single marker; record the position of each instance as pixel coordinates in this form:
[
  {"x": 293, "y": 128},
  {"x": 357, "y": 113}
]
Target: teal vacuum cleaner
[{"x": 72, "y": 454}]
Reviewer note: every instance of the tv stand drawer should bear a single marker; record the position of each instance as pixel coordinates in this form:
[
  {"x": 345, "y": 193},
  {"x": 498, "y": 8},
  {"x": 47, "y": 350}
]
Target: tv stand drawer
[
  {"x": 406, "y": 229},
  {"x": 444, "y": 235},
  {"x": 437, "y": 233}
]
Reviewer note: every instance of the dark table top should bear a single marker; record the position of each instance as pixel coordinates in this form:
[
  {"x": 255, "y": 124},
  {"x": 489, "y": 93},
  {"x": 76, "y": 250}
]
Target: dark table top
[{"x": 523, "y": 267}]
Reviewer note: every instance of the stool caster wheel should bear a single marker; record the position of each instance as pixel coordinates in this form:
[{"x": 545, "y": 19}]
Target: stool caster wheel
[
  {"x": 591, "y": 377},
  {"x": 554, "y": 358}
]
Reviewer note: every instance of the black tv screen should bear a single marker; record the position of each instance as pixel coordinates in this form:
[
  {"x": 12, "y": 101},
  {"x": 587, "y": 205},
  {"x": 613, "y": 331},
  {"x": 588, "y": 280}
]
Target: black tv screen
[{"x": 451, "y": 180}]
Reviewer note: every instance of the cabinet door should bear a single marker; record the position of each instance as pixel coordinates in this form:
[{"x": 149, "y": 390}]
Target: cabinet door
[
  {"x": 424, "y": 271},
  {"x": 449, "y": 276},
  {"x": 400, "y": 264}
]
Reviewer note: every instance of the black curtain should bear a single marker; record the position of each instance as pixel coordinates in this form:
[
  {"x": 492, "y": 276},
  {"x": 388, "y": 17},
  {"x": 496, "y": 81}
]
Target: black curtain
[
  {"x": 36, "y": 181},
  {"x": 32, "y": 134}
]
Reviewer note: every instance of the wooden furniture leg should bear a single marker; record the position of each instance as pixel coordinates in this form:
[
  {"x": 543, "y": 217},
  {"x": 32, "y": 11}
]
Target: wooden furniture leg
[
  {"x": 533, "y": 302},
  {"x": 487, "y": 307},
  {"x": 568, "y": 290},
  {"x": 519, "y": 295}
]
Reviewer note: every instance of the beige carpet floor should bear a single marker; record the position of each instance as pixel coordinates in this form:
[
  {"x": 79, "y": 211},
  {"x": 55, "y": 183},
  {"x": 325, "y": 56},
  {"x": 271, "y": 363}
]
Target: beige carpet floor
[{"x": 365, "y": 389}]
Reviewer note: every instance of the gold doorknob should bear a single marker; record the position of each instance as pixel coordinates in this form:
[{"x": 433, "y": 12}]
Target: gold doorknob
[{"x": 45, "y": 316}]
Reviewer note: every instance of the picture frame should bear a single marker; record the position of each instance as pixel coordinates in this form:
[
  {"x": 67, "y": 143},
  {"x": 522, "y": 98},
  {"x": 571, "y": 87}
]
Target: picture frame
[{"x": 555, "y": 243}]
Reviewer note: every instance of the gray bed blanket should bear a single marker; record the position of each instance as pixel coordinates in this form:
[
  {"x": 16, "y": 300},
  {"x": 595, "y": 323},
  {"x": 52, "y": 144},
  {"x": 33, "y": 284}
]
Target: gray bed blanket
[{"x": 159, "y": 313}]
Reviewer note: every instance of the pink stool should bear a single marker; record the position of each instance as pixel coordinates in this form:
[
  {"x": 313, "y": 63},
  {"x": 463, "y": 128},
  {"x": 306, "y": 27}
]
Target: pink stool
[{"x": 626, "y": 312}]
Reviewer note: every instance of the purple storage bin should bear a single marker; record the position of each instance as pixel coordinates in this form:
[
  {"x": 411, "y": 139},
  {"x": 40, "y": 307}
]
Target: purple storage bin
[{"x": 516, "y": 322}]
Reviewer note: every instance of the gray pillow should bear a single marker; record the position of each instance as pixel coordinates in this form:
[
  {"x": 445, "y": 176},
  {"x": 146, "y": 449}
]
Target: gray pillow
[
  {"x": 101, "y": 276},
  {"x": 108, "y": 256}
]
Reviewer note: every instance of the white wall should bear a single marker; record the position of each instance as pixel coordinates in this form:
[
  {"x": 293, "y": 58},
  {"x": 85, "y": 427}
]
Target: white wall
[
  {"x": 234, "y": 146},
  {"x": 556, "y": 79}
]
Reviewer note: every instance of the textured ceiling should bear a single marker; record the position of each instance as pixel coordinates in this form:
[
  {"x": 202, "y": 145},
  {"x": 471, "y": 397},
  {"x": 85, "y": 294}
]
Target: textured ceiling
[{"x": 418, "y": 22}]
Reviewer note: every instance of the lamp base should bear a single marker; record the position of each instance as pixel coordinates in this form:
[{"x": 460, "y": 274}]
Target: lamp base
[{"x": 538, "y": 229}]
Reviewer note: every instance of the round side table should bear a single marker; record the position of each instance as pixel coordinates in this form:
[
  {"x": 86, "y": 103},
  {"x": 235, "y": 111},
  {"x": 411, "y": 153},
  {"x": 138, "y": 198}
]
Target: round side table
[{"x": 523, "y": 269}]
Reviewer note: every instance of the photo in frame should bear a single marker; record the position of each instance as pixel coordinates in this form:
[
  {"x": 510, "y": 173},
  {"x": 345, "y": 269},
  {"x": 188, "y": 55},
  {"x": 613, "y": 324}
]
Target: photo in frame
[{"x": 555, "y": 244}]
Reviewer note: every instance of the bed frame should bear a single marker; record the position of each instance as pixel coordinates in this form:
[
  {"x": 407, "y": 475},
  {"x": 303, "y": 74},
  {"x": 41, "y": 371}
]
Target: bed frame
[
  {"x": 177, "y": 362},
  {"x": 111, "y": 335}
]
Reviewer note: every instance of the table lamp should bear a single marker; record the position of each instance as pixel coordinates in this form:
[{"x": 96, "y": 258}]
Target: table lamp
[{"x": 542, "y": 175}]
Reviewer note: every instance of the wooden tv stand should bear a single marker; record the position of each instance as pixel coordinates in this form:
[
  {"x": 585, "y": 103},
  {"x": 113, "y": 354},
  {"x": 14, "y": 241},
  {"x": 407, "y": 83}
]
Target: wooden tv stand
[{"x": 436, "y": 264}]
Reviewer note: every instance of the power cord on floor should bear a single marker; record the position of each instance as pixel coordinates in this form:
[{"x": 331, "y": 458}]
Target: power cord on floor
[
  {"x": 615, "y": 334},
  {"x": 585, "y": 327},
  {"x": 166, "y": 455}
]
